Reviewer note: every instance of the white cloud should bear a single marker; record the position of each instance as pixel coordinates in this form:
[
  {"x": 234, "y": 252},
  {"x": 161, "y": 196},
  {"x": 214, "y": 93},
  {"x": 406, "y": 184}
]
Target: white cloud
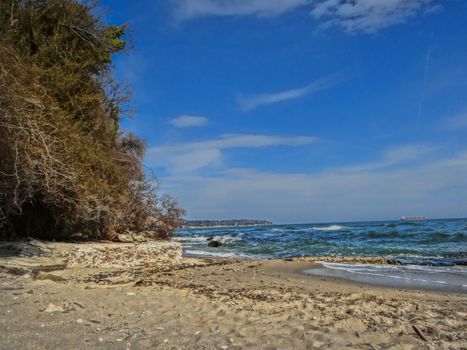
[
  {"x": 350, "y": 15},
  {"x": 434, "y": 188},
  {"x": 189, "y": 9},
  {"x": 393, "y": 157},
  {"x": 186, "y": 121},
  {"x": 368, "y": 15},
  {"x": 249, "y": 103},
  {"x": 456, "y": 122},
  {"x": 190, "y": 156}
]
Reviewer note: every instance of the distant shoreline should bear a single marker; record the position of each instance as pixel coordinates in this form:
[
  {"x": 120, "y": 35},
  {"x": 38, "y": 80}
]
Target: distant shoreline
[
  {"x": 224, "y": 223},
  {"x": 229, "y": 226}
]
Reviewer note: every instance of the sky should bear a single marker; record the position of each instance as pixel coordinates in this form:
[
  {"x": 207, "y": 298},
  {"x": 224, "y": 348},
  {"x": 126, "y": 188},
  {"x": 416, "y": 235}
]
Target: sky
[{"x": 300, "y": 111}]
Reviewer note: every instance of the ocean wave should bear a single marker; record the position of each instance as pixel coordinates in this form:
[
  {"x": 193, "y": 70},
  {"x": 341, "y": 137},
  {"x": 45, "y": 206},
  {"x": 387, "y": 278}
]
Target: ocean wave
[
  {"x": 437, "y": 278},
  {"x": 332, "y": 228},
  {"x": 182, "y": 239},
  {"x": 368, "y": 268},
  {"x": 225, "y": 239}
]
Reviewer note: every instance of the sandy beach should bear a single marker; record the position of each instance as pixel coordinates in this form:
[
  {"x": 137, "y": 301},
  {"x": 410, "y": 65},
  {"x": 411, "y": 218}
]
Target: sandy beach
[{"x": 221, "y": 304}]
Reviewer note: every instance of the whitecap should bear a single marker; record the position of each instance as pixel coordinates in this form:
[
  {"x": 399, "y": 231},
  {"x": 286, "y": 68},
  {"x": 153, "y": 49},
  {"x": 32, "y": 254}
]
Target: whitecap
[
  {"x": 226, "y": 239},
  {"x": 331, "y": 228}
]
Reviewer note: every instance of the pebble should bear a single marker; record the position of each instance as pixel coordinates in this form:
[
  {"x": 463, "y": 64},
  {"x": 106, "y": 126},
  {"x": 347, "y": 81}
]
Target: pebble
[
  {"x": 130, "y": 293},
  {"x": 54, "y": 308},
  {"x": 79, "y": 320}
]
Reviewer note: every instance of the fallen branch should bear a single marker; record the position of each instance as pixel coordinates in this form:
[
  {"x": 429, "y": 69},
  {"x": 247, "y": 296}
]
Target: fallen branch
[{"x": 419, "y": 333}]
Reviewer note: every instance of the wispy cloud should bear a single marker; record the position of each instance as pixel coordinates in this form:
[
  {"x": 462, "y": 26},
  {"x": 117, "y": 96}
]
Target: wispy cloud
[
  {"x": 189, "y": 9},
  {"x": 456, "y": 122},
  {"x": 351, "y": 15},
  {"x": 248, "y": 103},
  {"x": 187, "y": 121},
  {"x": 394, "y": 157},
  {"x": 431, "y": 187},
  {"x": 368, "y": 15},
  {"x": 190, "y": 156}
]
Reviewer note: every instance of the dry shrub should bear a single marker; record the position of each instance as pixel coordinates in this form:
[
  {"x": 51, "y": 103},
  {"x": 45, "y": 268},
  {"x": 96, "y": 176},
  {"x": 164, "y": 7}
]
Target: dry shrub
[{"x": 65, "y": 166}]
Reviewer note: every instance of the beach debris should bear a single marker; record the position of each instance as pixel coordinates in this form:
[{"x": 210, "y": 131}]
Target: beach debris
[
  {"x": 140, "y": 283},
  {"x": 54, "y": 308},
  {"x": 124, "y": 238},
  {"x": 419, "y": 333},
  {"x": 214, "y": 244},
  {"x": 41, "y": 275},
  {"x": 80, "y": 320},
  {"x": 130, "y": 293},
  {"x": 78, "y": 304}
]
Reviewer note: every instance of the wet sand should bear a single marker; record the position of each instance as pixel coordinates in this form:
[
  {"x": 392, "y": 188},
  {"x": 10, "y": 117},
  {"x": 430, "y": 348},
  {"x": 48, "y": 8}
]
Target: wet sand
[{"x": 216, "y": 304}]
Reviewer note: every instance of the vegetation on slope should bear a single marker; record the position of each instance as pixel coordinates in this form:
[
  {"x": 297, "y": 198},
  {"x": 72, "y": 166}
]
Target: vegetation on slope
[{"x": 65, "y": 165}]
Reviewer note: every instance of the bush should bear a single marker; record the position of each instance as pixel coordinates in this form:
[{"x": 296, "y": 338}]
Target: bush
[{"x": 65, "y": 165}]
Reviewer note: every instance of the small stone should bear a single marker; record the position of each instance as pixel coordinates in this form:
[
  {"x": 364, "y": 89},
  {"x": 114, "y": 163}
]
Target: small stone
[
  {"x": 197, "y": 332},
  {"x": 119, "y": 340},
  {"x": 79, "y": 320},
  {"x": 130, "y": 293},
  {"x": 54, "y": 308},
  {"x": 125, "y": 238},
  {"x": 215, "y": 244},
  {"x": 100, "y": 339}
]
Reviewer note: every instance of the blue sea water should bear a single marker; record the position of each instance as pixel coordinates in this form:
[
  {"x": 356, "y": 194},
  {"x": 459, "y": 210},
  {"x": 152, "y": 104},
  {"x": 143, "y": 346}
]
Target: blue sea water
[
  {"x": 429, "y": 242},
  {"x": 432, "y": 254}
]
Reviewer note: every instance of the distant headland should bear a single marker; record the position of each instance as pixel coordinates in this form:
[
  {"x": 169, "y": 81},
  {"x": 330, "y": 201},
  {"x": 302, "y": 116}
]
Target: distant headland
[{"x": 225, "y": 223}]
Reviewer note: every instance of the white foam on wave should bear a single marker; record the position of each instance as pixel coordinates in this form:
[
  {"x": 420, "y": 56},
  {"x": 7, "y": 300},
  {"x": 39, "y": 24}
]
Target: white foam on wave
[
  {"x": 203, "y": 239},
  {"x": 190, "y": 239},
  {"x": 331, "y": 228},
  {"x": 226, "y": 239},
  {"x": 413, "y": 276}
]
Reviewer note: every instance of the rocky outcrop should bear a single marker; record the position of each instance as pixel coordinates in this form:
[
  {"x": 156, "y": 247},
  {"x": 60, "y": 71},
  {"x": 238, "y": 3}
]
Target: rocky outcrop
[
  {"x": 32, "y": 256},
  {"x": 125, "y": 255}
]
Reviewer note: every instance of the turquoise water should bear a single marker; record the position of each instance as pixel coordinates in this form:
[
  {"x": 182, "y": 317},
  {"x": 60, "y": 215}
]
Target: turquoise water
[{"x": 430, "y": 242}]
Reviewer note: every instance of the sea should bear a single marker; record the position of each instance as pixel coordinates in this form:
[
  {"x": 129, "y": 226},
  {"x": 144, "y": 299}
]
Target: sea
[{"x": 430, "y": 254}]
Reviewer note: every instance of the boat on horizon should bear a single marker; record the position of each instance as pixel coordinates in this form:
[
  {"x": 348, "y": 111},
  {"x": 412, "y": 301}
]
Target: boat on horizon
[{"x": 413, "y": 218}]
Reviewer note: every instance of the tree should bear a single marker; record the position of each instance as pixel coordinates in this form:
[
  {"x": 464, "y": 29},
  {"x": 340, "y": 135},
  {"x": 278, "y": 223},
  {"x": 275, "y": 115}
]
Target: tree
[{"x": 65, "y": 165}]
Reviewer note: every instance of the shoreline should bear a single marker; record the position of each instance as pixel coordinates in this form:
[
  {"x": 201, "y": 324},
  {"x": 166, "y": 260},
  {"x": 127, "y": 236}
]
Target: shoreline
[
  {"x": 221, "y": 304},
  {"x": 196, "y": 303},
  {"x": 395, "y": 280}
]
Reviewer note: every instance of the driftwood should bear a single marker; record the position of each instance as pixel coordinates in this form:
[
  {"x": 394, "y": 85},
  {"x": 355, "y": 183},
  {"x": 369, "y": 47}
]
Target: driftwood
[{"x": 419, "y": 333}]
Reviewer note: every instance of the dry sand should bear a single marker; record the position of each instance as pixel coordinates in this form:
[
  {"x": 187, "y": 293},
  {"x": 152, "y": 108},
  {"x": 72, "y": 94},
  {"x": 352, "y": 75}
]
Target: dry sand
[{"x": 212, "y": 304}]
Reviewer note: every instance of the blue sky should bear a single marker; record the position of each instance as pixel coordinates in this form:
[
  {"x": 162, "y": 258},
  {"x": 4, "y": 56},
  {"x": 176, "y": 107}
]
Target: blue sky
[{"x": 301, "y": 110}]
